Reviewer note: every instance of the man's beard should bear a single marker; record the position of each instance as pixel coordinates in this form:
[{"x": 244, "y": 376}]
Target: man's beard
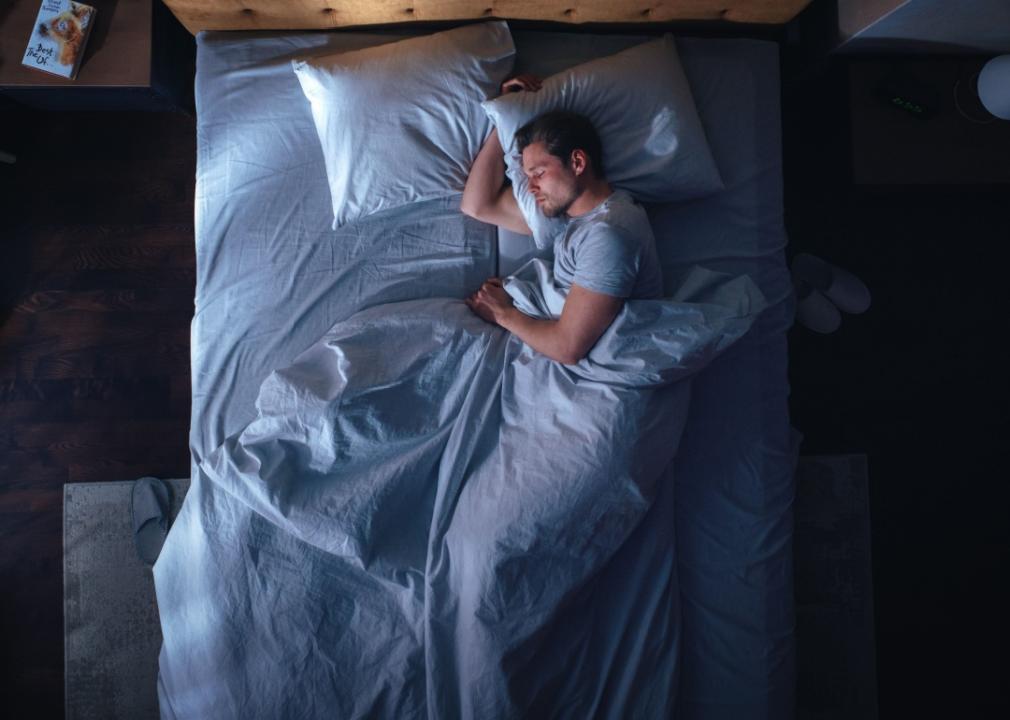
[{"x": 553, "y": 210}]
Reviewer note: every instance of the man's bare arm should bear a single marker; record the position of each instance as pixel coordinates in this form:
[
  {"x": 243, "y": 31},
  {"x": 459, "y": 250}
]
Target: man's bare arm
[
  {"x": 584, "y": 318},
  {"x": 486, "y": 197}
]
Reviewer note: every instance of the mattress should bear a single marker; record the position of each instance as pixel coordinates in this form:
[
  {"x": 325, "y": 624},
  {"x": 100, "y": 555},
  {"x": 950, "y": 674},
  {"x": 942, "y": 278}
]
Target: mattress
[{"x": 272, "y": 277}]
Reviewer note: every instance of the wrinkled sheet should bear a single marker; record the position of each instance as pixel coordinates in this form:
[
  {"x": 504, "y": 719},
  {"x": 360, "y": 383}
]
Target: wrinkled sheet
[{"x": 456, "y": 491}]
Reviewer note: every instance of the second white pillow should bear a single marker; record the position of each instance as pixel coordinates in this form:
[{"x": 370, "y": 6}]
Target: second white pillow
[{"x": 402, "y": 122}]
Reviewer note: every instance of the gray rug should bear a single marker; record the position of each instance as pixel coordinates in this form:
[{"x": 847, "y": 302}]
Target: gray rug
[
  {"x": 835, "y": 646},
  {"x": 111, "y": 631}
]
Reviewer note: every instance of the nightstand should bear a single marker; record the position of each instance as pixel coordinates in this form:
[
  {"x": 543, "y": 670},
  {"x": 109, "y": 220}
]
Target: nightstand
[
  {"x": 138, "y": 58},
  {"x": 909, "y": 129}
]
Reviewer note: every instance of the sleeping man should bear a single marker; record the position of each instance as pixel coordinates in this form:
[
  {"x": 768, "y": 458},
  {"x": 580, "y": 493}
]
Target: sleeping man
[{"x": 606, "y": 253}]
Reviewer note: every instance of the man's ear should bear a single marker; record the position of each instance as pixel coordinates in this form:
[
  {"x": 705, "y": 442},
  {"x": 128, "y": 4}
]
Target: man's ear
[{"x": 579, "y": 161}]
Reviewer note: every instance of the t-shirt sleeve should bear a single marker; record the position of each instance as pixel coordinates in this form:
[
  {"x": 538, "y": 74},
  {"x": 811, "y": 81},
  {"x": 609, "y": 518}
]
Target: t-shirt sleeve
[{"x": 607, "y": 261}]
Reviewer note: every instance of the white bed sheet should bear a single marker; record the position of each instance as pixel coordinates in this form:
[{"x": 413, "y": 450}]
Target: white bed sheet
[{"x": 273, "y": 277}]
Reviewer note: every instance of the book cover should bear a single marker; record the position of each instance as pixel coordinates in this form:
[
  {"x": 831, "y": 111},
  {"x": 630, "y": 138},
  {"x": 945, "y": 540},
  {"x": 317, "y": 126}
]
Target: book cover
[{"x": 59, "y": 36}]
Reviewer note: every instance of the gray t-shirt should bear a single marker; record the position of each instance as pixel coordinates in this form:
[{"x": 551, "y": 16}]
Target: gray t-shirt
[{"x": 610, "y": 250}]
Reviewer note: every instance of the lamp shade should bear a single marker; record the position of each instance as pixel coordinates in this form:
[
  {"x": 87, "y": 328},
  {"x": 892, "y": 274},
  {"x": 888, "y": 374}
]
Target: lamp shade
[{"x": 994, "y": 86}]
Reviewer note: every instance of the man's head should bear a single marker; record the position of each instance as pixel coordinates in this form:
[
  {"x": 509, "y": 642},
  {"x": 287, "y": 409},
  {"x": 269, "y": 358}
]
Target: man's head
[{"x": 562, "y": 154}]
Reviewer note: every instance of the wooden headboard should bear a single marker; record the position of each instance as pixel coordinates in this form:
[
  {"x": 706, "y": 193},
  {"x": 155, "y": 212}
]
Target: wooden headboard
[{"x": 199, "y": 15}]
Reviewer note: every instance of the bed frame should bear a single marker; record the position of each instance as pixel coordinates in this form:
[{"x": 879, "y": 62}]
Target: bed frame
[{"x": 199, "y": 15}]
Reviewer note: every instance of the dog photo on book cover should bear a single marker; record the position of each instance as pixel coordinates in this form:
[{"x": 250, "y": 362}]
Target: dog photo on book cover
[{"x": 59, "y": 36}]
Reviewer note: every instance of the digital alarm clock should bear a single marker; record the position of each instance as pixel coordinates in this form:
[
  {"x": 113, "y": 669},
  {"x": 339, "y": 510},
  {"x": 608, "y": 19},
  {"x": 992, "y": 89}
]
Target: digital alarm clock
[{"x": 908, "y": 96}]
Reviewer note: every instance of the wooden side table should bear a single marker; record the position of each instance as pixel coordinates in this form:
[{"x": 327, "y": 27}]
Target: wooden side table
[
  {"x": 138, "y": 58},
  {"x": 952, "y": 141}
]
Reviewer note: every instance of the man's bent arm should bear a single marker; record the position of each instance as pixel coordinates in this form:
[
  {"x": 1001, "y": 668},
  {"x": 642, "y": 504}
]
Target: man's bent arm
[
  {"x": 485, "y": 196},
  {"x": 584, "y": 318}
]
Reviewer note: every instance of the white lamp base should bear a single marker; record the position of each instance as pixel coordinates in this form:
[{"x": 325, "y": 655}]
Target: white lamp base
[{"x": 994, "y": 86}]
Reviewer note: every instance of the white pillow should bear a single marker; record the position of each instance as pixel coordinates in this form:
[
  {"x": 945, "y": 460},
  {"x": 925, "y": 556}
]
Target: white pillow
[
  {"x": 641, "y": 105},
  {"x": 402, "y": 122}
]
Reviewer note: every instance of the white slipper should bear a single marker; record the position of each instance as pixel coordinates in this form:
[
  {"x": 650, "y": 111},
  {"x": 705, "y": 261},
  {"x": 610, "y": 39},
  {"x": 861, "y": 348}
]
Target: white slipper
[
  {"x": 150, "y": 502},
  {"x": 841, "y": 287},
  {"x": 816, "y": 312}
]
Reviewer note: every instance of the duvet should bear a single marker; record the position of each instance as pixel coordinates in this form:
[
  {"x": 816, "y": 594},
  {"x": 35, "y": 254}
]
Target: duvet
[{"x": 417, "y": 522}]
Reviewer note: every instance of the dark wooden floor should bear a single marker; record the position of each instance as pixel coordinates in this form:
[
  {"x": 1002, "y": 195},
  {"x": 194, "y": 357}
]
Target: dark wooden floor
[{"x": 98, "y": 287}]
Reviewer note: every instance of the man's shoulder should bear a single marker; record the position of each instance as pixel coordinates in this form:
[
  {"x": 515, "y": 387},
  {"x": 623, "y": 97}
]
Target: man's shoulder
[
  {"x": 607, "y": 237},
  {"x": 624, "y": 217}
]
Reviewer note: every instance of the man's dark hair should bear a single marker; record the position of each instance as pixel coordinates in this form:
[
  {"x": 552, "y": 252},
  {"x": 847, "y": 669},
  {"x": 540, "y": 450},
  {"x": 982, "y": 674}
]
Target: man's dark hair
[{"x": 562, "y": 132}]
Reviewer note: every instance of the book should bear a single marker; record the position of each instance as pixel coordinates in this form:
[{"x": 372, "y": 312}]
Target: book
[{"x": 59, "y": 36}]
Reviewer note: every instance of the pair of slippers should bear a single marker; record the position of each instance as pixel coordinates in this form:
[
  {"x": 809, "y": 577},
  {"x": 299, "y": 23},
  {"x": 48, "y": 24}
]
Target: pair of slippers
[
  {"x": 824, "y": 291},
  {"x": 150, "y": 505}
]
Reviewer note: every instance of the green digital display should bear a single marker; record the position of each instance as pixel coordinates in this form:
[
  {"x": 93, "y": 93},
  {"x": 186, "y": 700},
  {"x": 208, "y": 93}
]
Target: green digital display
[{"x": 906, "y": 104}]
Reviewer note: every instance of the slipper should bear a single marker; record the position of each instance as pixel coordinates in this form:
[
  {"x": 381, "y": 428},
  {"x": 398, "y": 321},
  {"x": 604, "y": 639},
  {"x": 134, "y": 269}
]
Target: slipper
[
  {"x": 150, "y": 501},
  {"x": 814, "y": 311},
  {"x": 841, "y": 287}
]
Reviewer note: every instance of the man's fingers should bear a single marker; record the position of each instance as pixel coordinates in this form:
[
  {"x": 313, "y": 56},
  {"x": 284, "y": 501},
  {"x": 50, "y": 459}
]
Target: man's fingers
[
  {"x": 496, "y": 281},
  {"x": 521, "y": 82},
  {"x": 532, "y": 81}
]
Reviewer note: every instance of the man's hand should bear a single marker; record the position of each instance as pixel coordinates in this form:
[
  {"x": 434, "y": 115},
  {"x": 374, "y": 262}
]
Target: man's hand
[
  {"x": 526, "y": 81},
  {"x": 491, "y": 303}
]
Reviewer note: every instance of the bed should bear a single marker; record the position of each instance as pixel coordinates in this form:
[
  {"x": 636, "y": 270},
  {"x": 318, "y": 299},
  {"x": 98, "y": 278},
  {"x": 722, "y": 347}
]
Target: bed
[{"x": 689, "y": 614}]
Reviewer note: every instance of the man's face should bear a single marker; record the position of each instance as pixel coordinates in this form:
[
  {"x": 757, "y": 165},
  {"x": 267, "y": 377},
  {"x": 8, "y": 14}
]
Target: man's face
[{"x": 551, "y": 181}]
